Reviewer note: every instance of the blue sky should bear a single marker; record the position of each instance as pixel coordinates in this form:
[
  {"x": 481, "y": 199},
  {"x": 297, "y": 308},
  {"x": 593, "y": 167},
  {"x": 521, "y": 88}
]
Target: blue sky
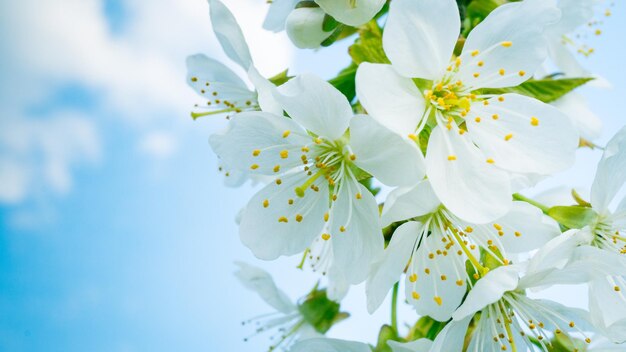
[{"x": 116, "y": 233}]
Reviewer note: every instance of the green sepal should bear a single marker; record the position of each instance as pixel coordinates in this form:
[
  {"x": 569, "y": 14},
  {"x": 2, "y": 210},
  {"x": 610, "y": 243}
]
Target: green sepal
[
  {"x": 573, "y": 217},
  {"x": 564, "y": 343},
  {"x": 368, "y": 47},
  {"x": 546, "y": 90},
  {"x": 329, "y": 24},
  {"x": 336, "y": 35},
  {"x": 280, "y": 78},
  {"x": 385, "y": 334},
  {"x": 320, "y": 312},
  {"x": 426, "y": 327},
  {"x": 306, "y": 4}
]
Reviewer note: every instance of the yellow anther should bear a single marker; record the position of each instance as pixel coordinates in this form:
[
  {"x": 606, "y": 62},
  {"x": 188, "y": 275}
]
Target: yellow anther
[
  {"x": 444, "y": 278},
  {"x": 506, "y": 44},
  {"x": 290, "y": 201},
  {"x": 317, "y": 140},
  {"x": 469, "y": 229},
  {"x": 476, "y": 75},
  {"x": 459, "y": 282},
  {"x": 359, "y": 196},
  {"x": 485, "y": 102},
  {"x": 522, "y": 73},
  {"x": 500, "y": 98},
  {"x": 616, "y": 288},
  {"x": 256, "y": 152},
  {"x": 431, "y": 255},
  {"x": 457, "y": 62},
  {"x": 462, "y": 131},
  {"x": 266, "y": 203},
  {"x": 598, "y": 32},
  {"x": 438, "y": 300},
  {"x": 352, "y": 157},
  {"x": 413, "y": 137},
  {"x": 501, "y": 233},
  {"x": 194, "y": 79},
  {"x": 276, "y": 168},
  {"x": 342, "y": 229},
  {"x": 284, "y": 154},
  {"x": 334, "y": 197},
  {"x": 427, "y": 271},
  {"x": 413, "y": 277},
  {"x": 286, "y": 133},
  {"x": 283, "y": 219},
  {"x": 501, "y": 72},
  {"x": 517, "y": 234},
  {"x": 298, "y": 217},
  {"x": 415, "y": 295},
  {"x": 495, "y": 116},
  {"x": 588, "y": 340},
  {"x": 305, "y": 149},
  {"x": 278, "y": 181},
  {"x": 508, "y": 137},
  {"x": 325, "y": 236},
  {"x": 497, "y": 227},
  {"x": 490, "y": 161},
  {"x": 254, "y": 166},
  {"x": 477, "y": 119},
  {"x": 451, "y": 157},
  {"x": 534, "y": 121},
  {"x": 481, "y": 63},
  {"x": 475, "y": 53},
  {"x": 571, "y": 324}
]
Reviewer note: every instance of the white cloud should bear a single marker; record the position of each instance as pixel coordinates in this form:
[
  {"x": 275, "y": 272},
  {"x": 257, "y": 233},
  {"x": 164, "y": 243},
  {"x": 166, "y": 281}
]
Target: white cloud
[
  {"x": 158, "y": 145},
  {"x": 137, "y": 74}
]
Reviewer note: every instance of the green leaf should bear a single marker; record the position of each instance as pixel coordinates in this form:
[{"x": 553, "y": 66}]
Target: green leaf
[
  {"x": 321, "y": 312},
  {"x": 344, "y": 81},
  {"x": 546, "y": 90},
  {"x": 574, "y": 217},
  {"x": 368, "y": 47},
  {"x": 480, "y": 9}
]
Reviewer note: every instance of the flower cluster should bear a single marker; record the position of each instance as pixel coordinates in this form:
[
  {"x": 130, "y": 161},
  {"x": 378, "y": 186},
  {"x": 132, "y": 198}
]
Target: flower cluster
[{"x": 451, "y": 107}]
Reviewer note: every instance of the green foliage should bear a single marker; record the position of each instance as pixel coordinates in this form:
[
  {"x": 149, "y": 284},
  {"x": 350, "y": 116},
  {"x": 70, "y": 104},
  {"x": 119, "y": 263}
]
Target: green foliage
[
  {"x": 368, "y": 47},
  {"x": 320, "y": 312},
  {"x": 344, "y": 81},
  {"x": 573, "y": 217},
  {"x": 546, "y": 90},
  {"x": 426, "y": 327},
  {"x": 563, "y": 343},
  {"x": 385, "y": 334}
]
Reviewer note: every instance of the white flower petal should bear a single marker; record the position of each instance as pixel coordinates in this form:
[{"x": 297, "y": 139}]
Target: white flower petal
[
  {"x": 619, "y": 217},
  {"x": 588, "y": 263},
  {"x": 391, "y": 99},
  {"x": 254, "y": 141},
  {"x": 207, "y": 70},
  {"x": 265, "y": 90},
  {"x": 574, "y": 13},
  {"x": 421, "y": 345},
  {"x": 329, "y": 345},
  {"x": 420, "y": 36},
  {"x": 520, "y": 24},
  {"x": 608, "y": 307},
  {"x": 387, "y": 271},
  {"x": 304, "y": 27},
  {"x": 488, "y": 290},
  {"x": 611, "y": 173},
  {"x": 464, "y": 181},
  {"x": 338, "y": 285},
  {"x": 344, "y": 12},
  {"x": 229, "y": 34},
  {"x": 269, "y": 226},
  {"x": 399, "y": 163},
  {"x": 406, "y": 203},
  {"x": 527, "y": 136},
  {"x": 576, "y": 108},
  {"x": 316, "y": 105},
  {"x": 452, "y": 337},
  {"x": 522, "y": 229},
  {"x": 565, "y": 60},
  {"x": 435, "y": 281},
  {"x": 261, "y": 282},
  {"x": 277, "y": 14},
  {"x": 554, "y": 255},
  {"x": 361, "y": 241}
]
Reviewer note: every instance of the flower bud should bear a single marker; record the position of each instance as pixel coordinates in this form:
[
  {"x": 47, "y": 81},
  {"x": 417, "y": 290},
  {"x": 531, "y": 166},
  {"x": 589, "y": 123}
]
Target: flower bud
[{"x": 304, "y": 27}]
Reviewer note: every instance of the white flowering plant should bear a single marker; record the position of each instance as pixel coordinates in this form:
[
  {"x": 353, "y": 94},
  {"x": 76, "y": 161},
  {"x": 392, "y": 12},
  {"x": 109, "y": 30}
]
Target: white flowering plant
[{"x": 455, "y": 108}]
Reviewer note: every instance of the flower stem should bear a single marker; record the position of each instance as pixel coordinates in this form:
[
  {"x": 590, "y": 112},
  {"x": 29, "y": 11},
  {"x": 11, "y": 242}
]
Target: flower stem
[
  {"x": 543, "y": 208},
  {"x": 301, "y": 265},
  {"x": 394, "y": 307}
]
